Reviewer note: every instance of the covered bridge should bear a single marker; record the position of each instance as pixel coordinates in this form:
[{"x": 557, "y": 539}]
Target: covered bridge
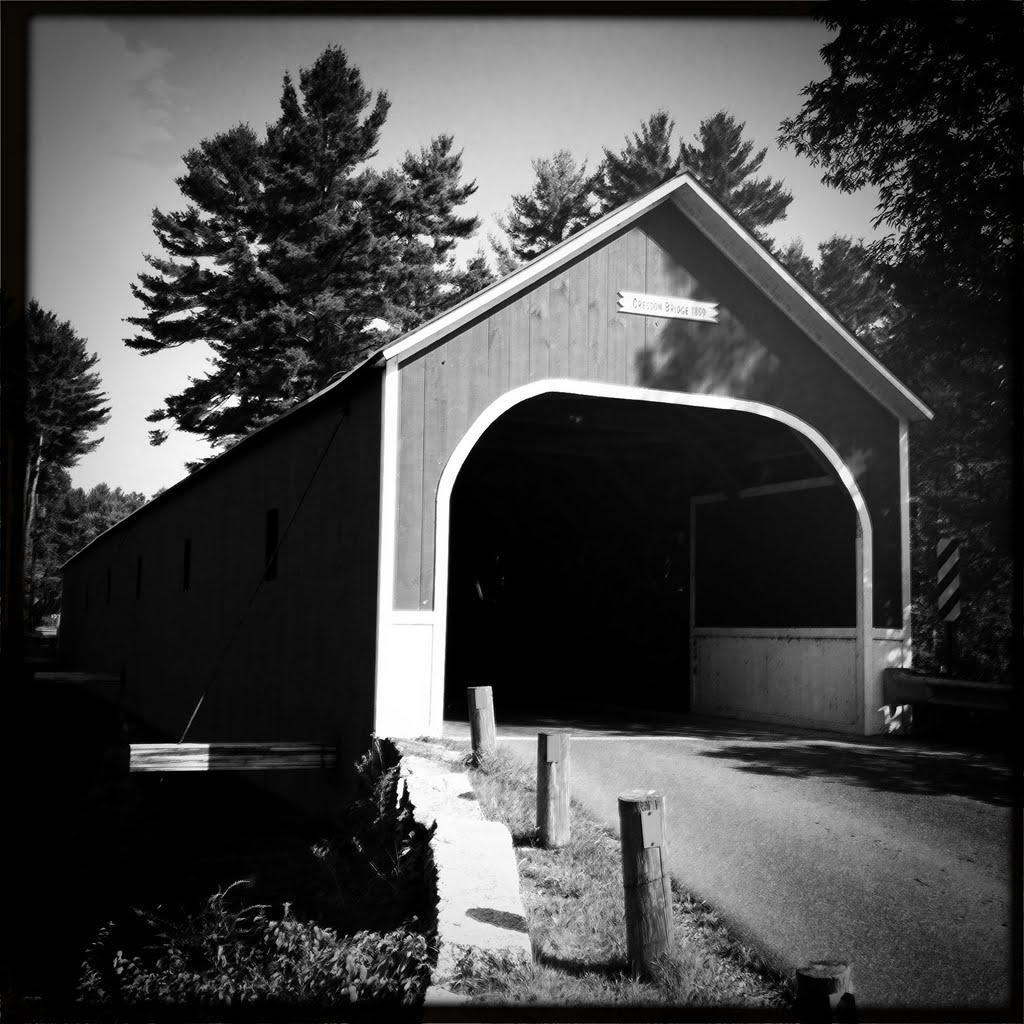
[{"x": 649, "y": 469}]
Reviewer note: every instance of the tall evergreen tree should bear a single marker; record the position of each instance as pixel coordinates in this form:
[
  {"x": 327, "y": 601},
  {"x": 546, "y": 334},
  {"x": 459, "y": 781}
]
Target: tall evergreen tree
[
  {"x": 477, "y": 276},
  {"x": 423, "y": 198},
  {"x": 727, "y": 163},
  {"x": 644, "y": 163},
  {"x": 64, "y": 403},
  {"x": 795, "y": 259},
  {"x": 558, "y": 205},
  {"x": 294, "y": 259},
  {"x": 852, "y": 285},
  {"x": 507, "y": 263},
  {"x": 720, "y": 157}
]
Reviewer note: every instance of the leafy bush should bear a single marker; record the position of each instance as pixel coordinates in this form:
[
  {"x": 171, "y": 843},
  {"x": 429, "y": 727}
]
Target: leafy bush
[
  {"x": 375, "y": 901},
  {"x": 224, "y": 956},
  {"x": 378, "y": 864}
]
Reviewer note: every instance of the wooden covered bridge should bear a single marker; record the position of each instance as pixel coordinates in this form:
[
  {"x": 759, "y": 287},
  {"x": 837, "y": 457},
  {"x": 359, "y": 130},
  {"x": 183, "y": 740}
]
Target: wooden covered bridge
[{"x": 649, "y": 469}]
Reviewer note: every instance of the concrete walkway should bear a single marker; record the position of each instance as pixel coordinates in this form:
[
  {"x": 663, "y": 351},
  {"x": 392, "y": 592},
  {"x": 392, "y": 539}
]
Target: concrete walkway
[{"x": 894, "y": 855}]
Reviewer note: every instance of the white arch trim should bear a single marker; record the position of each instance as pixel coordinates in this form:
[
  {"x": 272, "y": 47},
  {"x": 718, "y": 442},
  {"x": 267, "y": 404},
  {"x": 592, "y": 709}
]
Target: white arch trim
[{"x": 499, "y": 406}]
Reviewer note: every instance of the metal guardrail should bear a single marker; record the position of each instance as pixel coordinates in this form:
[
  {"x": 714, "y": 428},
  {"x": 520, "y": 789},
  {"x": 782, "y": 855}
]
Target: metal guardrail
[{"x": 902, "y": 687}]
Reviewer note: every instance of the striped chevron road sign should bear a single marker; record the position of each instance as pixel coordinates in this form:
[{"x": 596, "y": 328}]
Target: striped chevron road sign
[{"x": 947, "y": 579}]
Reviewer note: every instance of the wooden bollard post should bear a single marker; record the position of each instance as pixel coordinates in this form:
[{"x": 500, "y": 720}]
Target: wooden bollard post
[
  {"x": 481, "y": 721},
  {"x": 553, "y": 788},
  {"x": 645, "y": 878},
  {"x": 824, "y": 993}
]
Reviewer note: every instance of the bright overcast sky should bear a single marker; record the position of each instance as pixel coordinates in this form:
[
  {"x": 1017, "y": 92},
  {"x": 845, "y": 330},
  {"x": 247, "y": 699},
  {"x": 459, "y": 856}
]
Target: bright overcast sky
[{"x": 115, "y": 102}]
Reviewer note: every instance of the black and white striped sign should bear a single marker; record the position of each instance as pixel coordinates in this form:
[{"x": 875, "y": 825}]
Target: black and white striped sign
[{"x": 947, "y": 579}]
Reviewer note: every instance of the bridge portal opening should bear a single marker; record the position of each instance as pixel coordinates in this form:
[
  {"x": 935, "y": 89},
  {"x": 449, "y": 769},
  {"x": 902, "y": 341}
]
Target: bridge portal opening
[{"x": 604, "y": 554}]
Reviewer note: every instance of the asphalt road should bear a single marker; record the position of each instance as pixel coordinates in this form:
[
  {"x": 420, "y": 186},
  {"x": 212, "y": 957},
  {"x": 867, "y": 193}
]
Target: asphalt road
[{"x": 893, "y": 855}]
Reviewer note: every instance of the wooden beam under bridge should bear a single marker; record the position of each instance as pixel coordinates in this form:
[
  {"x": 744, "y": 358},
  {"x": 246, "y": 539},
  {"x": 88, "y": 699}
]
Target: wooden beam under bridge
[{"x": 209, "y": 757}]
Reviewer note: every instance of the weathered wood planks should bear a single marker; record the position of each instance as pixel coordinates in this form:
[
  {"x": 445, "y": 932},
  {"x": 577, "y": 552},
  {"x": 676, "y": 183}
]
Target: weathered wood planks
[
  {"x": 78, "y": 678},
  {"x": 205, "y": 757}
]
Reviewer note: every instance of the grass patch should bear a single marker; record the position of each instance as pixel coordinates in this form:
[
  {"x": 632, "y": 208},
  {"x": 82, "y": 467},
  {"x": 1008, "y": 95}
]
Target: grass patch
[{"x": 574, "y": 903}]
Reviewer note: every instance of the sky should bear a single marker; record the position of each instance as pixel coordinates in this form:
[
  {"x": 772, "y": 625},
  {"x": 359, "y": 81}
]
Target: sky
[{"x": 114, "y": 103}]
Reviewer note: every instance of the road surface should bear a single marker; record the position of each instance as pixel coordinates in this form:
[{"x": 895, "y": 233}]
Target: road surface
[{"x": 893, "y": 855}]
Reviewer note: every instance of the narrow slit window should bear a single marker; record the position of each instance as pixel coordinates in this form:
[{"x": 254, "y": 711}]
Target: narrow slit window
[
  {"x": 270, "y": 541},
  {"x": 186, "y": 565},
  {"x": 108, "y": 586},
  {"x": 138, "y": 577}
]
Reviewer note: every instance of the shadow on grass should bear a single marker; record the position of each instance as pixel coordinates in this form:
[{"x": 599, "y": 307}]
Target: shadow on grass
[
  {"x": 918, "y": 770},
  {"x": 614, "y": 970},
  {"x": 526, "y": 838}
]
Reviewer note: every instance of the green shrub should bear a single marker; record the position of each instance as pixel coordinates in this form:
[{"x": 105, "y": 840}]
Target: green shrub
[
  {"x": 225, "y": 956},
  {"x": 377, "y": 866},
  {"x": 375, "y": 904}
]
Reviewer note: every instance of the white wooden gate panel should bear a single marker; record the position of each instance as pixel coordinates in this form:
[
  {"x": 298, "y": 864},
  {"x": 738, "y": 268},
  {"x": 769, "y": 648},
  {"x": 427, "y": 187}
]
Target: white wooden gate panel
[{"x": 797, "y": 677}]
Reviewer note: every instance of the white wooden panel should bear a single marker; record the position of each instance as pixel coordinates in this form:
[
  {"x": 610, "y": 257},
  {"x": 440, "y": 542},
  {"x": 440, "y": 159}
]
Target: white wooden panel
[
  {"x": 800, "y": 680},
  {"x": 403, "y": 681}
]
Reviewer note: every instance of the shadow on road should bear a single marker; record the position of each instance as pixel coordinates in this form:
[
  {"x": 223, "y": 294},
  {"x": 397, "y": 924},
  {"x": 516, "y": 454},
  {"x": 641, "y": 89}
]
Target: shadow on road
[
  {"x": 886, "y": 763},
  {"x": 615, "y": 721},
  {"x": 907, "y": 769}
]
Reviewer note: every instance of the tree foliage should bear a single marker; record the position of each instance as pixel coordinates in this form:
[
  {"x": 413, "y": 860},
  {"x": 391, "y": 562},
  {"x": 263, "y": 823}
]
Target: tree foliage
[
  {"x": 926, "y": 108},
  {"x": 293, "y": 258},
  {"x": 564, "y": 198},
  {"x": 558, "y": 205},
  {"x": 727, "y": 164},
  {"x": 853, "y": 286},
  {"x": 477, "y": 276},
  {"x": 719, "y": 155},
  {"x": 64, "y": 406},
  {"x": 68, "y": 519},
  {"x": 647, "y": 159}
]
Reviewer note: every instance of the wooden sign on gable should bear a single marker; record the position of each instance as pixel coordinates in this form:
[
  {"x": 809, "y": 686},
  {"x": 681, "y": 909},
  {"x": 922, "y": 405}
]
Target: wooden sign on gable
[{"x": 668, "y": 306}]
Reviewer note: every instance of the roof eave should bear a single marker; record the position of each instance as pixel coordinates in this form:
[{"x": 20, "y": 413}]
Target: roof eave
[
  {"x": 885, "y": 387},
  {"x": 878, "y": 380},
  {"x": 555, "y": 257}
]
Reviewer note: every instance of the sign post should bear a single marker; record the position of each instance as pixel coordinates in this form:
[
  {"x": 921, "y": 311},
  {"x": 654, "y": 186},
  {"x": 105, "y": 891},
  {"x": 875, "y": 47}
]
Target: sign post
[{"x": 947, "y": 588}]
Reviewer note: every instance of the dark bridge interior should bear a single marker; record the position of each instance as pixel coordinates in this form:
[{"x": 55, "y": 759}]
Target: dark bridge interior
[{"x": 569, "y": 552}]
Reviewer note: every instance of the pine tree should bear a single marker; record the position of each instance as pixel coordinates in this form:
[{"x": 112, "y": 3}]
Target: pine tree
[
  {"x": 507, "y": 263},
  {"x": 797, "y": 262},
  {"x": 720, "y": 157},
  {"x": 856, "y": 290},
  {"x": 726, "y": 163},
  {"x": 477, "y": 276},
  {"x": 646, "y": 161},
  {"x": 852, "y": 285},
  {"x": 294, "y": 259},
  {"x": 557, "y": 207},
  {"x": 424, "y": 196},
  {"x": 64, "y": 404}
]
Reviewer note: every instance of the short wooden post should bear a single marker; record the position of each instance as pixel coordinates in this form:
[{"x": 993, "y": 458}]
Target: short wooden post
[
  {"x": 645, "y": 878},
  {"x": 824, "y": 993},
  {"x": 481, "y": 721},
  {"x": 553, "y": 788}
]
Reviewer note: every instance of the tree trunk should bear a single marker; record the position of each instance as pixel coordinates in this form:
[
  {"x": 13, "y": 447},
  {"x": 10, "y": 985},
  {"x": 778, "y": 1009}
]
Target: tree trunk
[{"x": 35, "y": 464}]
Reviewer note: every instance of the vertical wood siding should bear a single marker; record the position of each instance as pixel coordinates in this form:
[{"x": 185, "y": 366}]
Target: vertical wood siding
[
  {"x": 291, "y": 660},
  {"x": 568, "y": 326}
]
